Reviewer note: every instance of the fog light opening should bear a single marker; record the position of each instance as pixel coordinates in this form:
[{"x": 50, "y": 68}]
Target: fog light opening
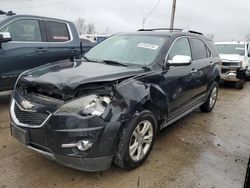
[{"x": 82, "y": 145}]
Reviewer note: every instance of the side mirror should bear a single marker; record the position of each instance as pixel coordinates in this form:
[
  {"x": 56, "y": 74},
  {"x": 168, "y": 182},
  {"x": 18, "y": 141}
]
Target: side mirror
[
  {"x": 5, "y": 37},
  {"x": 179, "y": 60}
]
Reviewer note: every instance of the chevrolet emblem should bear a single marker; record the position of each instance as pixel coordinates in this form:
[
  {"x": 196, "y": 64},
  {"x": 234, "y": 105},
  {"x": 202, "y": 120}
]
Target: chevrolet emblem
[{"x": 26, "y": 105}]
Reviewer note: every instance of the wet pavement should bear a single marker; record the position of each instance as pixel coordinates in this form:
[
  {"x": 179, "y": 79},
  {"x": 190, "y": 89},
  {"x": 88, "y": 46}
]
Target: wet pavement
[{"x": 201, "y": 150}]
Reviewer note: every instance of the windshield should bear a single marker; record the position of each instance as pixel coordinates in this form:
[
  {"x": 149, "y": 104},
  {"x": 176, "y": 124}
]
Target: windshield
[
  {"x": 132, "y": 50},
  {"x": 231, "y": 49}
]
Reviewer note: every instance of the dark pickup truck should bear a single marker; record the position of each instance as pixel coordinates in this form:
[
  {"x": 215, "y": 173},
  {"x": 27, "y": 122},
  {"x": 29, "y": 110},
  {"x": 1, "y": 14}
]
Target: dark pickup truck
[{"x": 30, "y": 41}]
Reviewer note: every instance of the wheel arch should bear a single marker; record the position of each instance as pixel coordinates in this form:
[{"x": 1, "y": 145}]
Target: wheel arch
[
  {"x": 141, "y": 96},
  {"x": 215, "y": 76},
  {"x": 157, "y": 113}
]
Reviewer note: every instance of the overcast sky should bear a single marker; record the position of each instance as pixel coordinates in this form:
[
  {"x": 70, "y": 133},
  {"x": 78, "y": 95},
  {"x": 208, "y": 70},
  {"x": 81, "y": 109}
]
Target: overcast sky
[{"x": 226, "y": 19}]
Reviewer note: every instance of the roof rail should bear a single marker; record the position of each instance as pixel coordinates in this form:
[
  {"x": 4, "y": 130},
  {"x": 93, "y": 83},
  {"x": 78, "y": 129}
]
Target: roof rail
[
  {"x": 169, "y": 29},
  {"x": 194, "y": 32},
  {"x": 160, "y": 29}
]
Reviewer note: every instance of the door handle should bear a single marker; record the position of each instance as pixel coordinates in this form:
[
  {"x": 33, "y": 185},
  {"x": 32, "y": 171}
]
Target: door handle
[
  {"x": 73, "y": 50},
  {"x": 40, "y": 50},
  {"x": 211, "y": 63}
]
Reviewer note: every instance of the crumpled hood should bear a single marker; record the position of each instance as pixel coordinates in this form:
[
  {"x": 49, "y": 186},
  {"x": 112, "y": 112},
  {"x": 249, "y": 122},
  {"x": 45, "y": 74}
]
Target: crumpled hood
[
  {"x": 231, "y": 57},
  {"x": 70, "y": 75}
]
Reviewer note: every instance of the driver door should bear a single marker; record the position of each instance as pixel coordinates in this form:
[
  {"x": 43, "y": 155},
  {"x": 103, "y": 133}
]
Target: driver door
[{"x": 179, "y": 79}]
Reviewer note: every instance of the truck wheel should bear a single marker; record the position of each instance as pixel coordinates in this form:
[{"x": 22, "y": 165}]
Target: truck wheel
[
  {"x": 136, "y": 141},
  {"x": 239, "y": 85},
  {"x": 211, "y": 100}
]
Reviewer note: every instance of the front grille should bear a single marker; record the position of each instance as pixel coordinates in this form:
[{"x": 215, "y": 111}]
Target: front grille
[
  {"x": 230, "y": 64},
  {"x": 29, "y": 118}
]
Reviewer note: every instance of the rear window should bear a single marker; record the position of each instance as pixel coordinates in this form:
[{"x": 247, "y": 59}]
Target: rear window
[
  {"x": 199, "y": 50},
  {"x": 57, "y": 32}
]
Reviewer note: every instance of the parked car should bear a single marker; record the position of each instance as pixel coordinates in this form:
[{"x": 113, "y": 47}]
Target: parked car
[
  {"x": 87, "y": 44},
  {"x": 30, "y": 41},
  {"x": 110, "y": 107},
  {"x": 235, "y": 57},
  {"x": 95, "y": 38}
]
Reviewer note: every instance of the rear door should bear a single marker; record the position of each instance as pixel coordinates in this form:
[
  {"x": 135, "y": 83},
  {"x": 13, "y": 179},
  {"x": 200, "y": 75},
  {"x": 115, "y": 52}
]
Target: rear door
[
  {"x": 202, "y": 67},
  {"x": 26, "y": 50},
  {"x": 61, "y": 43}
]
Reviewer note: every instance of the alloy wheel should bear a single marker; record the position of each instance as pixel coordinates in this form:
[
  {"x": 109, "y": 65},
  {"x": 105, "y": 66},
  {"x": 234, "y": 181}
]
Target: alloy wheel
[
  {"x": 213, "y": 97},
  {"x": 141, "y": 140}
]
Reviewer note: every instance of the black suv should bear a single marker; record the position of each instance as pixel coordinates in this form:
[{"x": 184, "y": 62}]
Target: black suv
[{"x": 109, "y": 106}]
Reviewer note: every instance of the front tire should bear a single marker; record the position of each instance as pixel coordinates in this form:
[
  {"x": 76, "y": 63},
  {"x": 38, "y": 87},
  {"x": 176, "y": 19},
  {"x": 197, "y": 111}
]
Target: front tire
[
  {"x": 239, "y": 84},
  {"x": 136, "y": 141},
  {"x": 211, "y": 100}
]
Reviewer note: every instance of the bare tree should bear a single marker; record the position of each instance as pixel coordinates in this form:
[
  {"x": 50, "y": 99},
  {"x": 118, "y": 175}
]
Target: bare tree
[
  {"x": 80, "y": 25},
  {"x": 90, "y": 29},
  {"x": 107, "y": 31}
]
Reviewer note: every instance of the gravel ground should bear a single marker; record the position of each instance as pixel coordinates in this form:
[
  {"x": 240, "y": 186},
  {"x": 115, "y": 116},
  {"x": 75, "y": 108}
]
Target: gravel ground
[{"x": 201, "y": 150}]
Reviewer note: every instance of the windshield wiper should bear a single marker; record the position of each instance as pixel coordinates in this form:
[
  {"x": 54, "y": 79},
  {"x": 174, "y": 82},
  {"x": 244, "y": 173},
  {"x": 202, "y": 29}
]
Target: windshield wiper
[
  {"x": 111, "y": 62},
  {"x": 87, "y": 59},
  {"x": 84, "y": 57}
]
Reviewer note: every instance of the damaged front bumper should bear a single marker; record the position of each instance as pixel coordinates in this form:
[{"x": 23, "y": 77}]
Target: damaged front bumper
[
  {"x": 59, "y": 129},
  {"x": 81, "y": 163}
]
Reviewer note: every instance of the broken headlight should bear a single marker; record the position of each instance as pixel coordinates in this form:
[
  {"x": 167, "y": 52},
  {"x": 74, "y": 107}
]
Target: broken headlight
[{"x": 88, "y": 105}]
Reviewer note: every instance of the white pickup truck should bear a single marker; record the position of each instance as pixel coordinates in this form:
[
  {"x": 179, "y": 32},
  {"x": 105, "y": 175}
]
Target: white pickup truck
[{"x": 235, "y": 57}]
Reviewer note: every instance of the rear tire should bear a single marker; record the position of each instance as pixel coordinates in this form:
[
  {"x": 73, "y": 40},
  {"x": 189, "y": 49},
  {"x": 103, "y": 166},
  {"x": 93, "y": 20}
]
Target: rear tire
[
  {"x": 136, "y": 141},
  {"x": 211, "y": 100}
]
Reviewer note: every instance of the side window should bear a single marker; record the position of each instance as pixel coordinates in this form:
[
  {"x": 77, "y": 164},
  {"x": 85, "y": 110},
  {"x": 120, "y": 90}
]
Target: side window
[
  {"x": 180, "y": 47},
  {"x": 57, "y": 32},
  {"x": 24, "y": 30},
  {"x": 199, "y": 49}
]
